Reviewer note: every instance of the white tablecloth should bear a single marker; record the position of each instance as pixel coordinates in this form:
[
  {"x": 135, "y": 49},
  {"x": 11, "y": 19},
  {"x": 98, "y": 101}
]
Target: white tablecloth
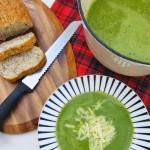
[{"x": 26, "y": 141}]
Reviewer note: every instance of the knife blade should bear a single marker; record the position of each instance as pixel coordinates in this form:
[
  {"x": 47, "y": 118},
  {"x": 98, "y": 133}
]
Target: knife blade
[{"x": 30, "y": 81}]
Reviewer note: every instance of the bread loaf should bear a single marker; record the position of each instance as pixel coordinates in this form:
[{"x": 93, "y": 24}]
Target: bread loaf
[
  {"x": 19, "y": 65},
  {"x": 17, "y": 45},
  {"x": 14, "y": 18}
]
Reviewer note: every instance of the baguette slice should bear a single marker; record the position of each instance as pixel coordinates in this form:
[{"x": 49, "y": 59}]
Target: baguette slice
[
  {"x": 17, "y": 66},
  {"x": 14, "y": 18},
  {"x": 17, "y": 45}
]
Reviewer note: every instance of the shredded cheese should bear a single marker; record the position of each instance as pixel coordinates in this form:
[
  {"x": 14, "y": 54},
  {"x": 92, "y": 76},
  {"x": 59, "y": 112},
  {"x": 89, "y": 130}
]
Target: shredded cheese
[
  {"x": 98, "y": 104},
  {"x": 96, "y": 129},
  {"x": 69, "y": 126}
]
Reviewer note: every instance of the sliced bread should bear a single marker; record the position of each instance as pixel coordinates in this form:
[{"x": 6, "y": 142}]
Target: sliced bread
[
  {"x": 17, "y": 45},
  {"x": 14, "y": 18},
  {"x": 19, "y": 65}
]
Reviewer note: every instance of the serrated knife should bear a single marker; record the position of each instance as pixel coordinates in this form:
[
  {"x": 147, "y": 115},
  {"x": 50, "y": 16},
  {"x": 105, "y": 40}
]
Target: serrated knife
[{"x": 30, "y": 81}]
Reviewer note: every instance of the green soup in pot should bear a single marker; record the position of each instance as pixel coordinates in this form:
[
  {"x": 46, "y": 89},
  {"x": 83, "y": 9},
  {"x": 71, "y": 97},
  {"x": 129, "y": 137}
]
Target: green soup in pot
[
  {"x": 123, "y": 25},
  {"x": 111, "y": 108}
]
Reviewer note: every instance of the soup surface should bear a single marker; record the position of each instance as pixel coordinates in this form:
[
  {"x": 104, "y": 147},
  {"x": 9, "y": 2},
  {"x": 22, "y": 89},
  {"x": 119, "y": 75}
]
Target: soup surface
[
  {"x": 111, "y": 108},
  {"x": 123, "y": 25}
]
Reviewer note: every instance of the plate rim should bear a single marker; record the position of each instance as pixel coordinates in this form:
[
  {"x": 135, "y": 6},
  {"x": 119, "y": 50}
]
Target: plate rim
[{"x": 100, "y": 76}]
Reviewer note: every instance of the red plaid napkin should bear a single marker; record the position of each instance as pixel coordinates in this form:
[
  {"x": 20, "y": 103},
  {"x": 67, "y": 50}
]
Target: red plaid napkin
[{"x": 67, "y": 11}]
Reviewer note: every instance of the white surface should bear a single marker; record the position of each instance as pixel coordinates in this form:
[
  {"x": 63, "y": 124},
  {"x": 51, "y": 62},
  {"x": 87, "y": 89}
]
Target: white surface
[
  {"x": 26, "y": 141},
  {"x": 48, "y": 2}
]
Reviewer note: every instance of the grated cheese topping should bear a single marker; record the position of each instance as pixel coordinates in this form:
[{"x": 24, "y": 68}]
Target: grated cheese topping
[{"x": 96, "y": 129}]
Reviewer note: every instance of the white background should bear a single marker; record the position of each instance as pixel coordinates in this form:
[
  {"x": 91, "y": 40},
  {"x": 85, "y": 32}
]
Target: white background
[{"x": 26, "y": 141}]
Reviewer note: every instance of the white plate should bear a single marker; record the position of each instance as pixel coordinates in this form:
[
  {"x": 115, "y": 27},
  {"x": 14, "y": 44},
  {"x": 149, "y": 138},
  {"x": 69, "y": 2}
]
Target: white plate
[{"x": 138, "y": 112}]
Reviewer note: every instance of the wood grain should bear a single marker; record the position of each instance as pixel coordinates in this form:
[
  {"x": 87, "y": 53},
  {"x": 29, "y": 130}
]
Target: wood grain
[{"x": 47, "y": 28}]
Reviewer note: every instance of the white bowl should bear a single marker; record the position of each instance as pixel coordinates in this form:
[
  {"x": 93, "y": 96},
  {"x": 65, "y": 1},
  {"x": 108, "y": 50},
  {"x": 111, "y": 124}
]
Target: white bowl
[
  {"x": 64, "y": 93},
  {"x": 108, "y": 56}
]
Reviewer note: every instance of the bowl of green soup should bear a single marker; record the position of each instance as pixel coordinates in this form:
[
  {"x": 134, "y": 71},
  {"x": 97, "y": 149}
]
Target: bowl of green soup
[
  {"x": 94, "y": 112},
  {"x": 117, "y": 32}
]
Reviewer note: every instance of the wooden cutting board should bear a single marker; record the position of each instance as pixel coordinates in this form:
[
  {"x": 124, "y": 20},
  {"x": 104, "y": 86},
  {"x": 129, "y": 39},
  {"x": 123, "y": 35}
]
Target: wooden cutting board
[{"x": 47, "y": 28}]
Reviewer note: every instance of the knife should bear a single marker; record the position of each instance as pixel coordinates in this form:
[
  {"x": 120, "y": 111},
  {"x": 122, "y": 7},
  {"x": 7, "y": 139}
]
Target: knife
[{"x": 30, "y": 81}]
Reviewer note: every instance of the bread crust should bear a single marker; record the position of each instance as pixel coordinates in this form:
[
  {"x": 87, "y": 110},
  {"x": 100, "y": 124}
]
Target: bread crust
[
  {"x": 14, "y": 18},
  {"x": 27, "y": 71},
  {"x": 19, "y": 48}
]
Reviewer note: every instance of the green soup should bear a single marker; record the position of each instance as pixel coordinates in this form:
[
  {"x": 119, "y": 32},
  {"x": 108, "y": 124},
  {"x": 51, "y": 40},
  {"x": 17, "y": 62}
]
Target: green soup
[
  {"x": 123, "y": 25},
  {"x": 111, "y": 108}
]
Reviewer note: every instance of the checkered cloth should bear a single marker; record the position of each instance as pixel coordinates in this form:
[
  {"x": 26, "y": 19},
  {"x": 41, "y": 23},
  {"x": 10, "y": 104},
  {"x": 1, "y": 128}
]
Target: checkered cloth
[{"x": 67, "y": 11}]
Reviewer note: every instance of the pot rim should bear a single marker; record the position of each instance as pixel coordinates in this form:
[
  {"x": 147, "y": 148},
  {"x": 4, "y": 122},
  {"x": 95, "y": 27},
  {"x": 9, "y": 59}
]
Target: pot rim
[{"x": 101, "y": 42}]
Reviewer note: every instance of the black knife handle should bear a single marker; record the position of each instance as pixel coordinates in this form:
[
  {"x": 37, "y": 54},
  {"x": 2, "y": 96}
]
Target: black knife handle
[{"x": 10, "y": 102}]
